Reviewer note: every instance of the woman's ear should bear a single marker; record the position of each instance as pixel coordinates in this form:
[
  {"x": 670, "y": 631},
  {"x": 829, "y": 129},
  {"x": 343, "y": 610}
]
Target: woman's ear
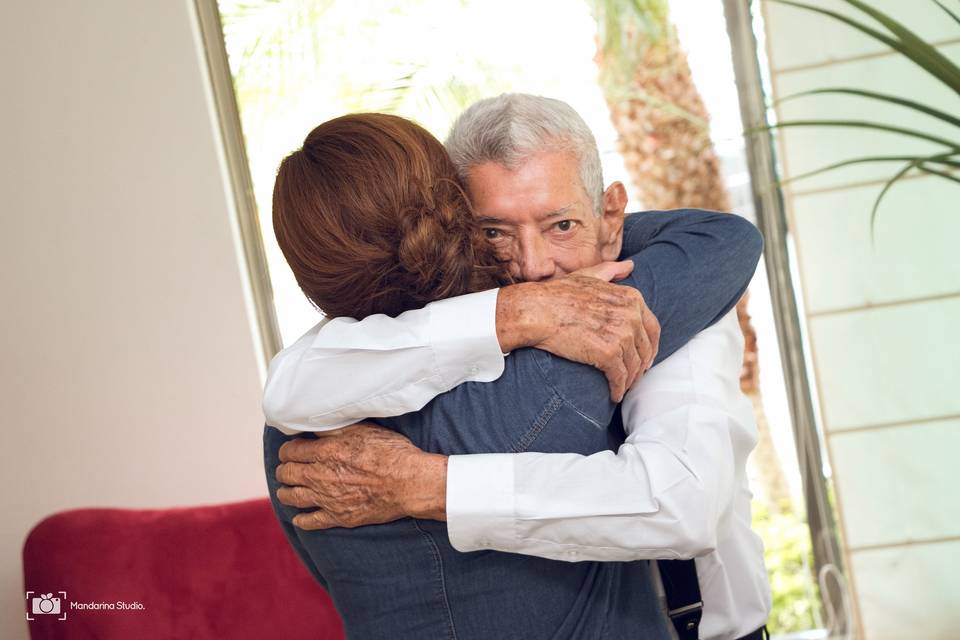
[{"x": 611, "y": 221}]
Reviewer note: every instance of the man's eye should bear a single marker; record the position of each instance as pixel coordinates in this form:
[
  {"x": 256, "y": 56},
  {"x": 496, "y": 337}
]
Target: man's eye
[
  {"x": 492, "y": 234},
  {"x": 565, "y": 225}
]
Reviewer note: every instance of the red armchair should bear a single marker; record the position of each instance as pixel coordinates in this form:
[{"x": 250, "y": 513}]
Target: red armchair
[{"x": 207, "y": 572}]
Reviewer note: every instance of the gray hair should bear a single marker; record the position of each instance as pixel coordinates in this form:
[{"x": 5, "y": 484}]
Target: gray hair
[{"x": 511, "y": 127}]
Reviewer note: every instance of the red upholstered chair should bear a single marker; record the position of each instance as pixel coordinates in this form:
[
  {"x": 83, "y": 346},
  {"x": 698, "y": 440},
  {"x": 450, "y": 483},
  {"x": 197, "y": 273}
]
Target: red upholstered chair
[{"x": 219, "y": 572}]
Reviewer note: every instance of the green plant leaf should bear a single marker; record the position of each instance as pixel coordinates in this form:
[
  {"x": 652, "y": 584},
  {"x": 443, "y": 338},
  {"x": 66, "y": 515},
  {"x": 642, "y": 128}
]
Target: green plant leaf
[
  {"x": 955, "y": 17},
  {"x": 915, "y": 47},
  {"x": 901, "y": 39},
  {"x": 904, "y": 102},
  {"x": 945, "y": 160},
  {"x": 873, "y": 33},
  {"x": 846, "y": 163},
  {"x": 883, "y": 192},
  {"x": 937, "y": 172},
  {"x": 949, "y": 76},
  {"x": 860, "y": 124},
  {"x": 916, "y": 163}
]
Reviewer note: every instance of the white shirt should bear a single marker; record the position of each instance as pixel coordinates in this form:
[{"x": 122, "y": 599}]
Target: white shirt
[
  {"x": 676, "y": 488},
  {"x": 381, "y": 366}
]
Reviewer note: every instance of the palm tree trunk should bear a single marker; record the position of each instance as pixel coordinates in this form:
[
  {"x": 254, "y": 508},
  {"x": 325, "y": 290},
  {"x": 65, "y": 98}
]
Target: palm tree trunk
[{"x": 664, "y": 137}]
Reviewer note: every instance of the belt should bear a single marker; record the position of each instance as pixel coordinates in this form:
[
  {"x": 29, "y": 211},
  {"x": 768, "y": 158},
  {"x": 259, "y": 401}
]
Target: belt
[{"x": 759, "y": 634}]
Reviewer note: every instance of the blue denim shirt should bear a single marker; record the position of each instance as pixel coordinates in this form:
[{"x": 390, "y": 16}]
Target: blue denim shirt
[{"x": 404, "y": 580}]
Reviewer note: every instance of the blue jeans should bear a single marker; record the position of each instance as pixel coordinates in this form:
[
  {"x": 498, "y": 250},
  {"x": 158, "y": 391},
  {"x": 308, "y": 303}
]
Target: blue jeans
[{"x": 404, "y": 579}]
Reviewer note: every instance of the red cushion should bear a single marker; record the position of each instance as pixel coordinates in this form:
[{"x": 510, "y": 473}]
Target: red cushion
[{"x": 214, "y": 572}]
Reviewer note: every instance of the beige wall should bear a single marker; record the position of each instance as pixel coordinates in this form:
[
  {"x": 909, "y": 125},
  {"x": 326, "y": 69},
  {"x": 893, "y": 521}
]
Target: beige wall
[
  {"x": 882, "y": 318},
  {"x": 129, "y": 375}
]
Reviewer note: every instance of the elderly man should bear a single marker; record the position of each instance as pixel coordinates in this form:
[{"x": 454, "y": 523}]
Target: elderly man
[{"x": 676, "y": 488}]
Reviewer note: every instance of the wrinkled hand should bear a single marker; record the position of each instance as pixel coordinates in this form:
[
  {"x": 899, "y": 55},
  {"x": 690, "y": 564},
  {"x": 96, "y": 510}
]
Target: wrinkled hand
[
  {"x": 584, "y": 318},
  {"x": 358, "y": 475}
]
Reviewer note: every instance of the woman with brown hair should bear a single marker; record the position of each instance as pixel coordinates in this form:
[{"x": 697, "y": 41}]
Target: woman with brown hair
[{"x": 372, "y": 219}]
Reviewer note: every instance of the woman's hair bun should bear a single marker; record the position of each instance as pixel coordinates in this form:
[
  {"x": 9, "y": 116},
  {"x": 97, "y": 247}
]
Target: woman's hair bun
[{"x": 372, "y": 219}]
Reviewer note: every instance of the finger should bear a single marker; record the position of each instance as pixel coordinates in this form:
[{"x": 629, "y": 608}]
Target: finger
[
  {"x": 644, "y": 348},
  {"x": 608, "y": 271},
  {"x": 299, "y": 496},
  {"x": 291, "y": 473},
  {"x": 652, "y": 331},
  {"x": 616, "y": 373},
  {"x": 642, "y": 342},
  {"x": 301, "y": 450},
  {"x": 620, "y": 270},
  {"x": 632, "y": 360},
  {"x": 315, "y": 520}
]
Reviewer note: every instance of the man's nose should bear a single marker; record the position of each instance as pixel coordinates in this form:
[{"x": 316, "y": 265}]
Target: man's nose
[{"x": 535, "y": 261}]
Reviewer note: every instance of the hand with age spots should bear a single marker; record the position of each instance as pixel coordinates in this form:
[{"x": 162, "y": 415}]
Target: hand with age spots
[
  {"x": 585, "y": 318},
  {"x": 358, "y": 475},
  {"x": 367, "y": 474}
]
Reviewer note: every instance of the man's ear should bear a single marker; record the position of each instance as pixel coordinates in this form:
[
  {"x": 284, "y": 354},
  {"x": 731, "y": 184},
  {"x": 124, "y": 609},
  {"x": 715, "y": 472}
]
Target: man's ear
[{"x": 611, "y": 221}]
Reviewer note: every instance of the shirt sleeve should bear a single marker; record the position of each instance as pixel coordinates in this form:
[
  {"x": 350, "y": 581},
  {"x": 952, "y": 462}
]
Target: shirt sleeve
[
  {"x": 689, "y": 431},
  {"x": 692, "y": 266},
  {"x": 344, "y": 370}
]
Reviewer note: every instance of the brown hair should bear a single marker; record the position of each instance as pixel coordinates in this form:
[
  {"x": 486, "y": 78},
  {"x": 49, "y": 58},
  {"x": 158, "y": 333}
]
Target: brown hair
[{"x": 371, "y": 218}]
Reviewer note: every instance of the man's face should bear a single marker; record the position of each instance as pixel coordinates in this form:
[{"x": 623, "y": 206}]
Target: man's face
[{"x": 540, "y": 218}]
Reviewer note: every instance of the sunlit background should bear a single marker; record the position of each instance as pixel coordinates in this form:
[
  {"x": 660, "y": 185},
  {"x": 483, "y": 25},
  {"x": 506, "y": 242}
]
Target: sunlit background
[{"x": 297, "y": 64}]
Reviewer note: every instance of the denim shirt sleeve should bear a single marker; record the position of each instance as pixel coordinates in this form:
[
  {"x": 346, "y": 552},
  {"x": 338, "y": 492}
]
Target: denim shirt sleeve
[
  {"x": 692, "y": 266},
  {"x": 525, "y": 409}
]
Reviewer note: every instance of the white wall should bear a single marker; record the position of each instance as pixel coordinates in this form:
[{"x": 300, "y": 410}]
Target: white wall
[
  {"x": 129, "y": 374},
  {"x": 881, "y": 316}
]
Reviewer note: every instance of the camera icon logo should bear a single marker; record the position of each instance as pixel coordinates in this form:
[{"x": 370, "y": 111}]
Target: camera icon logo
[{"x": 47, "y": 604}]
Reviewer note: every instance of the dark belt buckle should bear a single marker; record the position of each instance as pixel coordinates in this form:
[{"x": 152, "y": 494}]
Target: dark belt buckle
[{"x": 686, "y": 620}]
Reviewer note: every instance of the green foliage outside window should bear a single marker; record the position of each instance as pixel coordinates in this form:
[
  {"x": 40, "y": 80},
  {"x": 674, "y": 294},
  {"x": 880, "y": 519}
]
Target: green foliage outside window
[{"x": 789, "y": 558}]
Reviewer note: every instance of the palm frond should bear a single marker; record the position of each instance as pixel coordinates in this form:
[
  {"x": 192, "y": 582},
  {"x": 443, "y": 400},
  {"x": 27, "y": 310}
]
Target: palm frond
[
  {"x": 944, "y": 160},
  {"x": 917, "y": 49},
  {"x": 903, "y": 102},
  {"x": 913, "y": 48},
  {"x": 861, "y": 124},
  {"x": 916, "y": 163},
  {"x": 625, "y": 30},
  {"x": 272, "y": 45},
  {"x": 873, "y": 33},
  {"x": 939, "y": 173},
  {"x": 904, "y": 41},
  {"x": 943, "y": 174},
  {"x": 950, "y": 13},
  {"x": 883, "y": 192}
]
